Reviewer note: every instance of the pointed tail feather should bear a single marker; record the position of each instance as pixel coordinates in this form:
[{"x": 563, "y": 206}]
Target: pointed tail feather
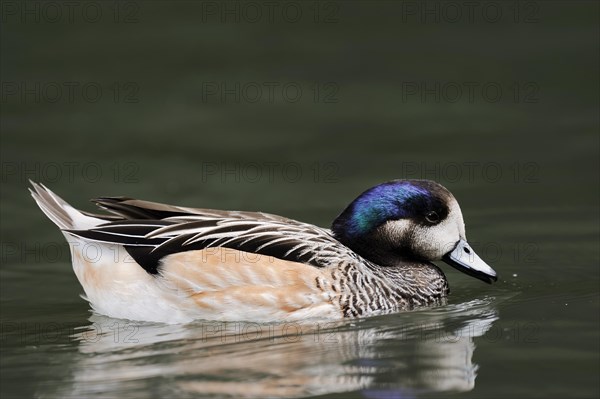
[{"x": 60, "y": 212}]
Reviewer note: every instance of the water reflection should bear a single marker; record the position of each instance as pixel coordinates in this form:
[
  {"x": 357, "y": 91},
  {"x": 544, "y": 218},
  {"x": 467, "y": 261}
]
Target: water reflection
[{"x": 398, "y": 355}]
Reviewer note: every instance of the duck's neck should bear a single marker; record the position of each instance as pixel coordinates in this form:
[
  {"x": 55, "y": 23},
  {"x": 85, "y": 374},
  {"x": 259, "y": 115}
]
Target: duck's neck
[
  {"x": 377, "y": 246},
  {"x": 419, "y": 283}
]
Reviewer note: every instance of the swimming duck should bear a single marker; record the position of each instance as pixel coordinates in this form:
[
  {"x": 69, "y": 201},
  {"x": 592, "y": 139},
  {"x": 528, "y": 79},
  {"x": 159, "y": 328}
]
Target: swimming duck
[{"x": 148, "y": 261}]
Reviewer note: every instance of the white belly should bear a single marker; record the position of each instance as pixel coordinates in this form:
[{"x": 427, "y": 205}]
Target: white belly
[{"x": 193, "y": 286}]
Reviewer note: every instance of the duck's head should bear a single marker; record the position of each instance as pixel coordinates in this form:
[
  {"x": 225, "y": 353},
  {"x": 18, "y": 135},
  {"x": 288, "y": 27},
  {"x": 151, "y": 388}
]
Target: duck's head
[{"x": 409, "y": 220}]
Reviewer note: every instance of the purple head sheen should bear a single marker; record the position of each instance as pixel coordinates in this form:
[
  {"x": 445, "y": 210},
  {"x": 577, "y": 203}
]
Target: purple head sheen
[{"x": 388, "y": 201}]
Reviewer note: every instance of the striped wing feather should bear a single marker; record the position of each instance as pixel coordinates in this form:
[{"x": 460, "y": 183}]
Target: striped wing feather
[
  {"x": 129, "y": 208},
  {"x": 150, "y": 231}
]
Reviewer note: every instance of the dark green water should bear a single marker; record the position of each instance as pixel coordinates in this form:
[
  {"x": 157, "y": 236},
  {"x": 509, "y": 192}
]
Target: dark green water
[{"x": 295, "y": 110}]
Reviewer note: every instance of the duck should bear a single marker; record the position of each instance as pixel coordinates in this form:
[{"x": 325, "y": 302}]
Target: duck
[{"x": 153, "y": 262}]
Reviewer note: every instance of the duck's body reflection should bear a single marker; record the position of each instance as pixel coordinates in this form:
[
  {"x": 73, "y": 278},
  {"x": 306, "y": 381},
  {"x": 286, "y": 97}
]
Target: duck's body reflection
[{"x": 407, "y": 353}]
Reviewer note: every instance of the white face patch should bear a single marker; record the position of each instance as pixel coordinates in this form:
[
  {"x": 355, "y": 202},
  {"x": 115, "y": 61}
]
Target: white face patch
[{"x": 429, "y": 242}]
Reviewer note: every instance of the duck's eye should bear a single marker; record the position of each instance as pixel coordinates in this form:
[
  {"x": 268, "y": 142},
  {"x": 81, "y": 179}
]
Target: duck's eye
[{"x": 432, "y": 217}]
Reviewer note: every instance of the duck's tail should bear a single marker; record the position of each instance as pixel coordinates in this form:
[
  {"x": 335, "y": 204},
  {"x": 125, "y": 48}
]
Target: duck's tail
[{"x": 59, "y": 211}]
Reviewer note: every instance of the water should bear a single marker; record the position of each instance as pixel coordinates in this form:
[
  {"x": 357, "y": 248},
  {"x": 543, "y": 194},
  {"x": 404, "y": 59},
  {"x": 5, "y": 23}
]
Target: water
[{"x": 524, "y": 169}]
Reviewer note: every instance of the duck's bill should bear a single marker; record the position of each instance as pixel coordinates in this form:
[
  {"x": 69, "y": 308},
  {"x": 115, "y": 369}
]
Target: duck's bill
[{"x": 463, "y": 258}]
